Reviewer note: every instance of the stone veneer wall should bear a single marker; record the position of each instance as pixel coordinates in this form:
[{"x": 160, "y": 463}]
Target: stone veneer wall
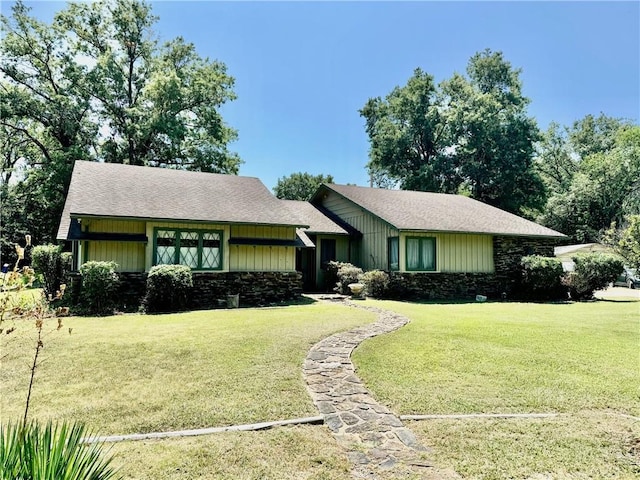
[
  {"x": 507, "y": 253},
  {"x": 210, "y": 289}
]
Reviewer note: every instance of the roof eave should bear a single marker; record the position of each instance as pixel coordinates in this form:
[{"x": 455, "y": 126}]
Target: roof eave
[{"x": 501, "y": 234}]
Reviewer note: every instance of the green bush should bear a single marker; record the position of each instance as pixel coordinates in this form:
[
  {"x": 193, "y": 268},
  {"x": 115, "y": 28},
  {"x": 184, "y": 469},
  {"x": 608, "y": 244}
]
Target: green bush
[
  {"x": 98, "y": 293},
  {"x": 347, "y": 273},
  {"x": 542, "y": 278},
  {"x": 593, "y": 271},
  {"x": 53, "y": 264},
  {"x": 51, "y": 452},
  {"x": 168, "y": 288},
  {"x": 376, "y": 283}
]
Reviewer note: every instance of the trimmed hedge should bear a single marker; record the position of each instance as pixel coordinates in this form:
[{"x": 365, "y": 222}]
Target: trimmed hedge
[
  {"x": 542, "y": 278},
  {"x": 593, "y": 271},
  {"x": 376, "y": 283},
  {"x": 98, "y": 293},
  {"x": 168, "y": 289}
]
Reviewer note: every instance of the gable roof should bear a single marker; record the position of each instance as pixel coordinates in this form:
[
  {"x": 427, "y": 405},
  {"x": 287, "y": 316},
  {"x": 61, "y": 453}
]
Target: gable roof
[
  {"x": 436, "y": 212},
  {"x": 316, "y": 220},
  {"x": 124, "y": 191}
]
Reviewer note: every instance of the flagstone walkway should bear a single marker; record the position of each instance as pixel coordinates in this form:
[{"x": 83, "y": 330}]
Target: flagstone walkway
[{"x": 377, "y": 443}]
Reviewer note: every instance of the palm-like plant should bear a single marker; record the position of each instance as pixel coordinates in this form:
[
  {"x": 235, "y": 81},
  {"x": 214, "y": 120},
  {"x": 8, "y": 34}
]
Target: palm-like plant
[{"x": 54, "y": 451}]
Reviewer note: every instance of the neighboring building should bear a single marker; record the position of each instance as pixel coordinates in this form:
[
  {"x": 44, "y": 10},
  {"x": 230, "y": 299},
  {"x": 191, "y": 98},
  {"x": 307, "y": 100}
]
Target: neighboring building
[
  {"x": 458, "y": 245},
  {"x": 566, "y": 253},
  {"x": 222, "y": 226}
]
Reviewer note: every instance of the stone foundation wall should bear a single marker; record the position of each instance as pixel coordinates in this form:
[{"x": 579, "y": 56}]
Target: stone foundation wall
[
  {"x": 507, "y": 254},
  {"x": 133, "y": 287},
  {"x": 210, "y": 289},
  {"x": 443, "y": 286}
]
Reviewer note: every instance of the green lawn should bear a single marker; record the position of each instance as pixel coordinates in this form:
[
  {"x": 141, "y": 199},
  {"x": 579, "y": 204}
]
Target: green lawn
[
  {"x": 135, "y": 373},
  {"x": 288, "y": 453},
  {"x": 581, "y": 360},
  {"x": 142, "y": 373}
]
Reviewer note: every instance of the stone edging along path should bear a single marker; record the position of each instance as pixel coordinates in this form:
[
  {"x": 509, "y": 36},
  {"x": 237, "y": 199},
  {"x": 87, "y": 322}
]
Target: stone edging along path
[{"x": 375, "y": 439}]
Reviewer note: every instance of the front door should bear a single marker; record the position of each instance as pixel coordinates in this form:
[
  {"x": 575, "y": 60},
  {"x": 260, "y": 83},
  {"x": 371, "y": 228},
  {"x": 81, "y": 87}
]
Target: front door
[{"x": 306, "y": 264}]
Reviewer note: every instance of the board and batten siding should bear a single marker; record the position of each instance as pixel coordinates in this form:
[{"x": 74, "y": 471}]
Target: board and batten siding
[
  {"x": 128, "y": 255},
  {"x": 187, "y": 226},
  {"x": 375, "y": 232},
  {"x": 262, "y": 258},
  {"x": 456, "y": 252}
]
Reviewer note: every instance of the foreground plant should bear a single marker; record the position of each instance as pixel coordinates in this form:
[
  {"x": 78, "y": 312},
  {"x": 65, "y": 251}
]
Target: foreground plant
[
  {"x": 54, "y": 451},
  {"x": 28, "y": 449}
]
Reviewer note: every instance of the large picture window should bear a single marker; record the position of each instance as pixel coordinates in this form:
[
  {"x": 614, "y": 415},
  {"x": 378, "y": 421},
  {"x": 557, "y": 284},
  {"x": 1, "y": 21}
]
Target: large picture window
[
  {"x": 198, "y": 249},
  {"x": 421, "y": 253}
]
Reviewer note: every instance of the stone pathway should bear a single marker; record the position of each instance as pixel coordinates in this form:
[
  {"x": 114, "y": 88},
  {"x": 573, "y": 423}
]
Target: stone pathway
[{"x": 378, "y": 444}]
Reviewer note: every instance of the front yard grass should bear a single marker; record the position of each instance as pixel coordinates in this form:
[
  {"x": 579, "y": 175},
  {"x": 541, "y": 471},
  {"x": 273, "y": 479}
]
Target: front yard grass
[
  {"x": 144, "y": 373},
  {"x": 288, "y": 453},
  {"x": 580, "y": 360}
]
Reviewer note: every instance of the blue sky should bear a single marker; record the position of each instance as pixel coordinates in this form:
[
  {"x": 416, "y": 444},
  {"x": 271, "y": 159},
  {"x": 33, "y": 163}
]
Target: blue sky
[{"x": 304, "y": 69}]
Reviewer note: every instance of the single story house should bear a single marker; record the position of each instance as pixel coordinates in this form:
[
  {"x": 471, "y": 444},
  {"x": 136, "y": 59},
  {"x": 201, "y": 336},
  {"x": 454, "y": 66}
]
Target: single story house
[
  {"x": 240, "y": 239},
  {"x": 436, "y": 245},
  {"x": 234, "y": 234}
]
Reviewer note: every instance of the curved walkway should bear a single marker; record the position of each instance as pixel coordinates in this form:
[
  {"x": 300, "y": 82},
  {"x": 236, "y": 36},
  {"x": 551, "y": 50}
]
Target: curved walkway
[{"x": 375, "y": 439}]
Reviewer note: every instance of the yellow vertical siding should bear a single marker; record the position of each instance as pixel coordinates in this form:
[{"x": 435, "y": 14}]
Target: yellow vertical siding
[
  {"x": 128, "y": 255},
  {"x": 262, "y": 258},
  {"x": 456, "y": 252},
  {"x": 373, "y": 247}
]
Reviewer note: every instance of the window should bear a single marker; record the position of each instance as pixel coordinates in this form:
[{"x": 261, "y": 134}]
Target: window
[
  {"x": 198, "y": 249},
  {"x": 421, "y": 253},
  {"x": 394, "y": 253},
  {"x": 327, "y": 251}
]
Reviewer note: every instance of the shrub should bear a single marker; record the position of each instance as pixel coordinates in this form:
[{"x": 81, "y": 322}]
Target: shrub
[
  {"x": 98, "y": 293},
  {"x": 376, "y": 283},
  {"x": 331, "y": 274},
  {"x": 168, "y": 288},
  {"x": 51, "y": 452},
  {"x": 542, "y": 278},
  {"x": 593, "y": 271},
  {"x": 347, "y": 273},
  {"x": 53, "y": 265}
]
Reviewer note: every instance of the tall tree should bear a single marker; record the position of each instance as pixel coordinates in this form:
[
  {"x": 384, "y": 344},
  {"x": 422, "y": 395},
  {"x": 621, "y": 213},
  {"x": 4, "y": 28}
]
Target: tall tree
[
  {"x": 493, "y": 139},
  {"x": 299, "y": 186},
  {"x": 408, "y": 137},
  {"x": 605, "y": 189},
  {"x": 95, "y": 84},
  {"x": 556, "y": 160},
  {"x": 469, "y": 134},
  {"x": 590, "y": 173}
]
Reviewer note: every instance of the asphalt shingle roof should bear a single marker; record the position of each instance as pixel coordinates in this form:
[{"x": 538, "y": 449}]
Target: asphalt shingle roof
[
  {"x": 438, "y": 212},
  {"x": 318, "y": 222},
  {"x": 125, "y": 191}
]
